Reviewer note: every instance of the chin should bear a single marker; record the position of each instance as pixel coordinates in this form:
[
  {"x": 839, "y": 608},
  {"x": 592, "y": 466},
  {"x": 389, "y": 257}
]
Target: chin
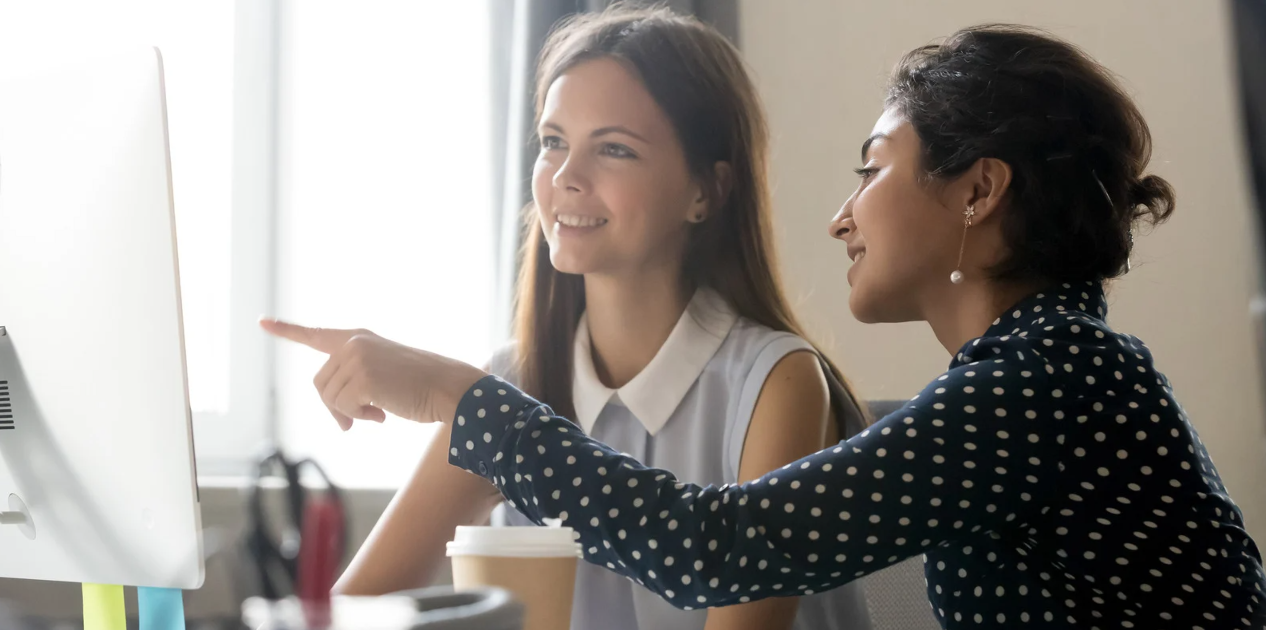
[
  {"x": 863, "y": 309},
  {"x": 570, "y": 263},
  {"x": 568, "y": 266},
  {"x": 878, "y": 307}
]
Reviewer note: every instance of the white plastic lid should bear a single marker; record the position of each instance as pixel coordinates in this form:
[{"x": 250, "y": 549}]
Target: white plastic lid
[{"x": 515, "y": 542}]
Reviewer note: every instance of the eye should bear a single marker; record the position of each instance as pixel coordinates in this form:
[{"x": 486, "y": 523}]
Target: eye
[
  {"x": 616, "y": 150},
  {"x": 551, "y": 142},
  {"x": 865, "y": 173}
]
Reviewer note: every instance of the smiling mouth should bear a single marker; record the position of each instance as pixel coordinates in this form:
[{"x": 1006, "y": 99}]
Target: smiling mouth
[{"x": 577, "y": 221}]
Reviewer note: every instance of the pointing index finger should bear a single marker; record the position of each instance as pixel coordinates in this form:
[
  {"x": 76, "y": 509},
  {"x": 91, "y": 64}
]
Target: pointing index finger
[{"x": 327, "y": 340}]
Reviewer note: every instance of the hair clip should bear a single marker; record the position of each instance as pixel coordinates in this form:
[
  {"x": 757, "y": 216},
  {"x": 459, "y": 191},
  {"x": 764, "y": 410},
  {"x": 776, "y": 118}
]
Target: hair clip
[
  {"x": 1128, "y": 264},
  {"x": 1102, "y": 188}
]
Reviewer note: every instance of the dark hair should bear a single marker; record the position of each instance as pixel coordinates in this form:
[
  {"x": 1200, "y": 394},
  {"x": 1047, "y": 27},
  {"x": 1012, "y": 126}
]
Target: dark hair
[
  {"x": 697, "y": 77},
  {"x": 1076, "y": 144}
]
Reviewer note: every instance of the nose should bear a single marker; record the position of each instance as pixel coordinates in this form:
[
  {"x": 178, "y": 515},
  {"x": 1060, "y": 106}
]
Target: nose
[
  {"x": 842, "y": 223},
  {"x": 570, "y": 176}
]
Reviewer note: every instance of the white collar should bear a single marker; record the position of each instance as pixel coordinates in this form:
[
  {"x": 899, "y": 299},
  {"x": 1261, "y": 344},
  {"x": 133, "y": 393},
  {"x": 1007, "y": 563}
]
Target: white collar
[{"x": 654, "y": 394}]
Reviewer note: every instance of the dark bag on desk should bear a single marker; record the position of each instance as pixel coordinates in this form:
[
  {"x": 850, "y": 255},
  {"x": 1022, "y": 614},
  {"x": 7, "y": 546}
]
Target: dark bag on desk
[{"x": 273, "y": 548}]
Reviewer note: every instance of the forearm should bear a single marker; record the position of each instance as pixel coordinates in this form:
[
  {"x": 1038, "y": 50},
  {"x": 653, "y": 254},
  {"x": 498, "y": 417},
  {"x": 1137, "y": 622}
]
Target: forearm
[
  {"x": 677, "y": 540},
  {"x": 775, "y": 613},
  {"x": 814, "y": 525}
]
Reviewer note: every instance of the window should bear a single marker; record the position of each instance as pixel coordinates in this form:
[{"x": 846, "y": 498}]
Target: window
[
  {"x": 332, "y": 165},
  {"x": 384, "y": 205},
  {"x": 197, "y": 44}
]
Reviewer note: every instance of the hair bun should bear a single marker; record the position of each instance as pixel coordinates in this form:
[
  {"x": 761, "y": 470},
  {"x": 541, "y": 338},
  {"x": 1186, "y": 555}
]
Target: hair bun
[{"x": 1152, "y": 199}]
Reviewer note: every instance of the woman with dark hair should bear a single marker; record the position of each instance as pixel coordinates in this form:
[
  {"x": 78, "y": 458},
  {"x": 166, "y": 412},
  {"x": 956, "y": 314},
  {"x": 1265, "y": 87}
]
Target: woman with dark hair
[{"x": 1049, "y": 477}]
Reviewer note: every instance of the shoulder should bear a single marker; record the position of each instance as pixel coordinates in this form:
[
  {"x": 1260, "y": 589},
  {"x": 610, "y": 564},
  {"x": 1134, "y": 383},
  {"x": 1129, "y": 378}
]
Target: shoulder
[
  {"x": 1070, "y": 354},
  {"x": 780, "y": 393},
  {"x": 796, "y": 381},
  {"x": 749, "y": 344},
  {"x": 784, "y": 373},
  {"x": 754, "y": 356},
  {"x": 790, "y": 417},
  {"x": 1066, "y": 365}
]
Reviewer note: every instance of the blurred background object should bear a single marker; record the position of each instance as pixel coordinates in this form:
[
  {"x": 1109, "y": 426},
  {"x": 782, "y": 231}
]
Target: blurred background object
[
  {"x": 1249, "y": 20},
  {"x": 436, "y": 608}
]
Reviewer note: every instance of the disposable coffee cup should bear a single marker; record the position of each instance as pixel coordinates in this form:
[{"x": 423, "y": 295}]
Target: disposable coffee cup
[{"x": 536, "y": 564}]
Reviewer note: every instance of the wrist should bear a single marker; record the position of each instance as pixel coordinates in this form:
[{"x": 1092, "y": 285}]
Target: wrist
[{"x": 457, "y": 381}]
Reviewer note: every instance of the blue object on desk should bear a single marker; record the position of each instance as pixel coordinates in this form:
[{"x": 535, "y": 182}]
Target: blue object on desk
[{"x": 160, "y": 608}]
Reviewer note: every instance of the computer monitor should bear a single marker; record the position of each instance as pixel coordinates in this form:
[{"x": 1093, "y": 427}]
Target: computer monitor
[{"x": 97, "y": 474}]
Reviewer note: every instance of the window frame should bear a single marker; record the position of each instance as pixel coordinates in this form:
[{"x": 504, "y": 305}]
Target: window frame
[{"x": 228, "y": 442}]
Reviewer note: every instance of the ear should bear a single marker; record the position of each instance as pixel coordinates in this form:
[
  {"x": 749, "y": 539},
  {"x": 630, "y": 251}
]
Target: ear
[
  {"x": 983, "y": 188},
  {"x": 714, "y": 191},
  {"x": 722, "y": 184}
]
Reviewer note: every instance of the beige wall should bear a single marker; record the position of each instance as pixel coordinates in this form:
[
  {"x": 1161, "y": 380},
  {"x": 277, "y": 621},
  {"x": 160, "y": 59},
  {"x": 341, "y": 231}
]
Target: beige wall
[{"x": 821, "y": 65}]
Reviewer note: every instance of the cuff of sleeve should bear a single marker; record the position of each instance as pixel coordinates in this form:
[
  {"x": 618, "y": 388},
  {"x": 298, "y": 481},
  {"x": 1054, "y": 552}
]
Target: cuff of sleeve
[{"x": 490, "y": 409}]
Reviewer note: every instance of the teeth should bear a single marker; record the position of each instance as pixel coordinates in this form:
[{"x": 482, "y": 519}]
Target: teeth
[
  {"x": 572, "y": 220},
  {"x": 860, "y": 256}
]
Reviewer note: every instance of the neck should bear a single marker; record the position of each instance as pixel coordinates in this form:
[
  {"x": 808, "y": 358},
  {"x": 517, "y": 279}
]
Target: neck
[
  {"x": 630, "y": 318},
  {"x": 959, "y": 313}
]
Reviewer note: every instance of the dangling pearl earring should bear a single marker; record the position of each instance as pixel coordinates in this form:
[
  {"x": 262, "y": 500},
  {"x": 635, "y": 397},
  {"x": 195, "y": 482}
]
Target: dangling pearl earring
[{"x": 957, "y": 276}]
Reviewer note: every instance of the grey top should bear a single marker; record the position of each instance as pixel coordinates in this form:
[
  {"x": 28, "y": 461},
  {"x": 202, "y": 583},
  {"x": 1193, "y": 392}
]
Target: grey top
[{"x": 667, "y": 417}]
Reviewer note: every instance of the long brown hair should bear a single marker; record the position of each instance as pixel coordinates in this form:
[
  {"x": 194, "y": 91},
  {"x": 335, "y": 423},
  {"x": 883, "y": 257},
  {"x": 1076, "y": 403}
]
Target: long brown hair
[{"x": 699, "y": 80}]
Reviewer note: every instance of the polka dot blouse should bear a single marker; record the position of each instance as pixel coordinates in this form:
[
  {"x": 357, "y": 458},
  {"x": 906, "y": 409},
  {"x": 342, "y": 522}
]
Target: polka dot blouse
[{"x": 1049, "y": 479}]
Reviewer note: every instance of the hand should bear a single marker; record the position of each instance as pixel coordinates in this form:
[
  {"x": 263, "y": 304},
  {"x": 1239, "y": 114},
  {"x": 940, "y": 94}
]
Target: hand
[{"x": 367, "y": 377}]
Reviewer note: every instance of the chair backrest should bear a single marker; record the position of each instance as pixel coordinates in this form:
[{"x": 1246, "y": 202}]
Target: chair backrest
[
  {"x": 897, "y": 596},
  {"x": 881, "y": 408}
]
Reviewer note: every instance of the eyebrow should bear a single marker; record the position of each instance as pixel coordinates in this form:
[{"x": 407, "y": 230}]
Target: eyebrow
[
  {"x": 617, "y": 129},
  {"x": 871, "y": 140},
  {"x": 601, "y": 132}
]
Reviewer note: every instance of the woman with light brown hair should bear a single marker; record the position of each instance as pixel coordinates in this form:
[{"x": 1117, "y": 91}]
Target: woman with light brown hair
[{"x": 648, "y": 296}]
